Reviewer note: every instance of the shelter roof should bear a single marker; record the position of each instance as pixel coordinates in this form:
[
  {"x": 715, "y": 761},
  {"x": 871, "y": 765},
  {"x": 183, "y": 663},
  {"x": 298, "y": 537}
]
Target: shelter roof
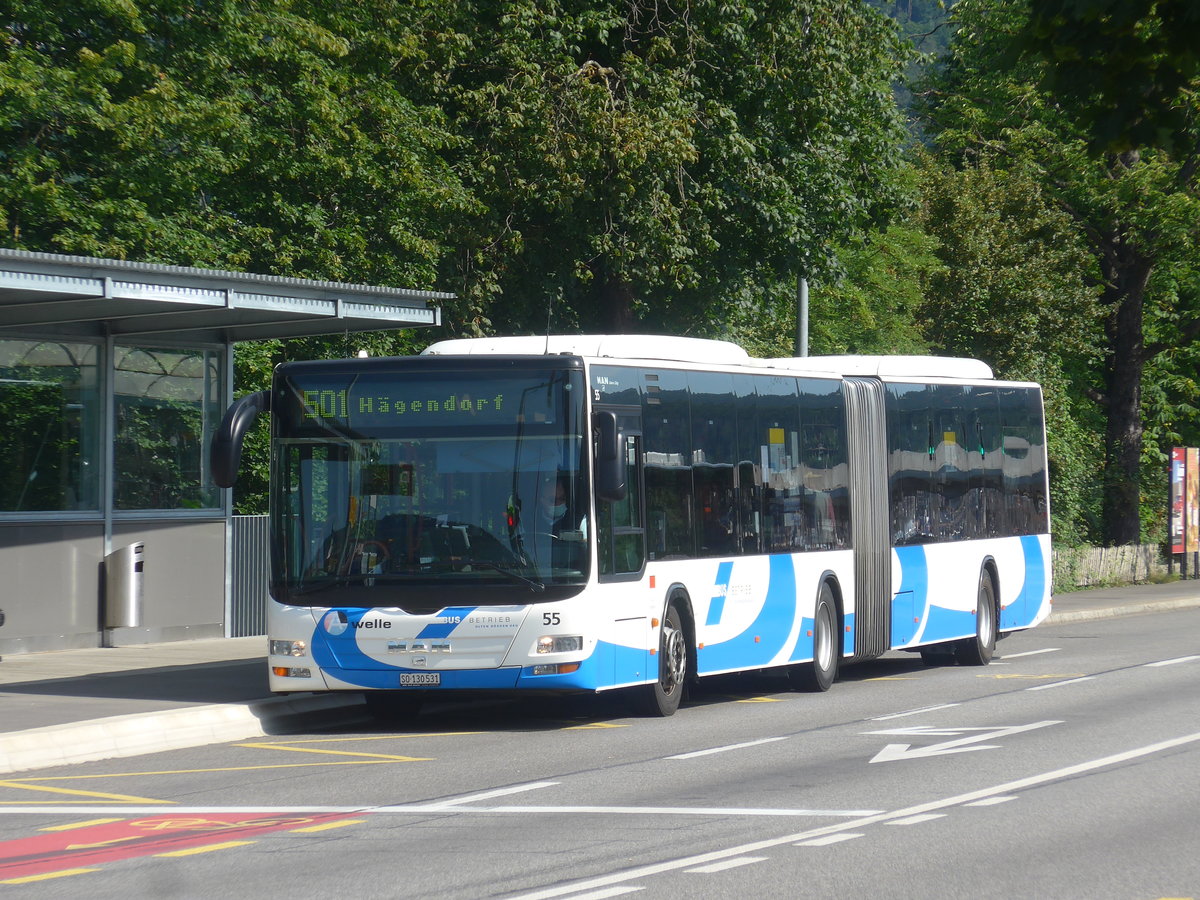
[{"x": 55, "y": 294}]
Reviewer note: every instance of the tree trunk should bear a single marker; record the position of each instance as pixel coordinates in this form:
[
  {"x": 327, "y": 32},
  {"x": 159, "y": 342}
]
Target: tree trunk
[
  {"x": 1127, "y": 275},
  {"x": 616, "y": 305}
]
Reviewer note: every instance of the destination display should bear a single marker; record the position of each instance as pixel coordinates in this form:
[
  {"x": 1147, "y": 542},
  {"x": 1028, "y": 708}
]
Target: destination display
[{"x": 368, "y": 403}]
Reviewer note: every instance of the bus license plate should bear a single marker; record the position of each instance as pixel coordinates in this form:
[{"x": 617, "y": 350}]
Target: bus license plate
[{"x": 420, "y": 679}]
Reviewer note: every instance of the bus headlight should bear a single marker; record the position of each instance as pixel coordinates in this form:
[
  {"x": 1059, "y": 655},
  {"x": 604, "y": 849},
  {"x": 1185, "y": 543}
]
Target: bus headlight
[
  {"x": 288, "y": 648},
  {"x": 559, "y": 643}
]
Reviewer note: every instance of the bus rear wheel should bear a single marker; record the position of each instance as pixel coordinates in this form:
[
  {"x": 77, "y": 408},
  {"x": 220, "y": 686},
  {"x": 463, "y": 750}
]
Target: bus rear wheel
[
  {"x": 819, "y": 674},
  {"x": 977, "y": 651},
  {"x": 663, "y": 697}
]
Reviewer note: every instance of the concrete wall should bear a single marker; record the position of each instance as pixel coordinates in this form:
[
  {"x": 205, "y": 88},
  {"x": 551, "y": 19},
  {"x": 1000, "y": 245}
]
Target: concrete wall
[
  {"x": 50, "y": 586},
  {"x": 52, "y": 590},
  {"x": 184, "y": 580}
]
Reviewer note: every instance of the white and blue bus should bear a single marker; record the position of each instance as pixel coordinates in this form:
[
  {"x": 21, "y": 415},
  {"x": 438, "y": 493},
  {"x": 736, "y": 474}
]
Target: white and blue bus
[{"x": 592, "y": 513}]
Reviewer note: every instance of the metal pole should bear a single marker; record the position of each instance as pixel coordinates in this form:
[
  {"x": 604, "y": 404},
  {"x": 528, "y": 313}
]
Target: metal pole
[{"x": 802, "y": 316}]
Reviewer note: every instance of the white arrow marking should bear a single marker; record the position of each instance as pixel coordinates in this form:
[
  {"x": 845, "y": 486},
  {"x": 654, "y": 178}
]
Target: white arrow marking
[{"x": 961, "y": 745}]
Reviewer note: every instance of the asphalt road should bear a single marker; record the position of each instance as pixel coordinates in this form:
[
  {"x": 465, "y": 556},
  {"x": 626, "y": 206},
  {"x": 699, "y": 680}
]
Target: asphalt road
[{"x": 1066, "y": 769}]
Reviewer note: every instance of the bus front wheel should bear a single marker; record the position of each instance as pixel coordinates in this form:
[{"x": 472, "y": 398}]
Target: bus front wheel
[
  {"x": 977, "y": 651},
  {"x": 662, "y": 697},
  {"x": 819, "y": 674}
]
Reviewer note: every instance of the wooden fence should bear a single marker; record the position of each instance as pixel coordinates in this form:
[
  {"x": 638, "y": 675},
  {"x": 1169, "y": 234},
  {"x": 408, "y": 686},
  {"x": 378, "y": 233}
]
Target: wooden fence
[{"x": 1076, "y": 568}]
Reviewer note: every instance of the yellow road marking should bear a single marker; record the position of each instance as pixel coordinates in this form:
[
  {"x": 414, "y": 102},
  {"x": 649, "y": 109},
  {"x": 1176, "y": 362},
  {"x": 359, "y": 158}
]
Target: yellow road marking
[
  {"x": 304, "y": 765},
  {"x": 120, "y": 840},
  {"x": 594, "y": 725},
  {"x": 207, "y": 848},
  {"x": 374, "y": 756},
  {"x": 95, "y": 795},
  {"x": 73, "y": 825},
  {"x": 893, "y": 678},
  {"x": 376, "y": 737},
  {"x": 761, "y": 700},
  {"x": 46, "y": 876},
  {"x": 326, "y": 826}
]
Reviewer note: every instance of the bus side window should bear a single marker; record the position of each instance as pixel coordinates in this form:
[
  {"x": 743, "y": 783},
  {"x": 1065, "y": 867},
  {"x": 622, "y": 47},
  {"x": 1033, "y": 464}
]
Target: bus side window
[{"x": 621, "y": 535}]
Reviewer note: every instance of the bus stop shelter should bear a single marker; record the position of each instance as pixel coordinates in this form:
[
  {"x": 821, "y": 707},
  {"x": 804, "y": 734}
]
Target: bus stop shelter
[{"x": 113, "y": 375}]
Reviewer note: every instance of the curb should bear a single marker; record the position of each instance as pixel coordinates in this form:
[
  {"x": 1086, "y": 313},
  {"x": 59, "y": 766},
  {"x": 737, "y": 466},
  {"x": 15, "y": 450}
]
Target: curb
[
  {"x": 1125, "y": 609},
  {"x": 175, "y": 729}
]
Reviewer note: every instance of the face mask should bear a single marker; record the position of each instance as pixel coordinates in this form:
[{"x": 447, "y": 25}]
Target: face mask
[{"x": 558, "y": 510}]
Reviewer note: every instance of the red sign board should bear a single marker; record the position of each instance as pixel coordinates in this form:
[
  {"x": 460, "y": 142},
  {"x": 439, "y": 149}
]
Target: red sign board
[
  {"x": 1178, "y": 493},
  {"x": 1185, "y": 500}
]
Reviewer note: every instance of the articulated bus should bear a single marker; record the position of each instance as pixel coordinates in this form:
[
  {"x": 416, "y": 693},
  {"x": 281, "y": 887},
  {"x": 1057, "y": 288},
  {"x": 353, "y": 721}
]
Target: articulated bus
[{"x": 593, "y": 513}]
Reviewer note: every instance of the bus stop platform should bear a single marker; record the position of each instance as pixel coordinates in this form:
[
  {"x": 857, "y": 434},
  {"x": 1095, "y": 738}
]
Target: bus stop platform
[{"x": 68, "y": 706}]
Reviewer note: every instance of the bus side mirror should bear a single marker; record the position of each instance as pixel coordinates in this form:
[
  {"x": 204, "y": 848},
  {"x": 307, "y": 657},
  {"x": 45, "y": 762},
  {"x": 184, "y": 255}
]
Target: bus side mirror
[
  {"x": 225, "y": 453},
  {"x": 610, "y": 467}
]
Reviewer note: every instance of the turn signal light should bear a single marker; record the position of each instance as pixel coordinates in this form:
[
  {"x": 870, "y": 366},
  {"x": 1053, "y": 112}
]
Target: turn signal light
[{"x": 285, "y": 672}]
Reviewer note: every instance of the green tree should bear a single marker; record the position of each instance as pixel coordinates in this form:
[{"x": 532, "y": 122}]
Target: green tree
[
  {"x": 1009, "y": 292},
  {"x": 1137, "y": 211},
  {"x": 267, "y": 135},
  {"x": 1128, "y": 68},
  {"x": 646, "y": 166}
]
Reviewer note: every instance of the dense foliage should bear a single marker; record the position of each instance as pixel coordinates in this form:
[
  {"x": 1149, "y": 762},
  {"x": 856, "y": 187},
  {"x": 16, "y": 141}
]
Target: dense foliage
[{"x": 637, "y": 166}]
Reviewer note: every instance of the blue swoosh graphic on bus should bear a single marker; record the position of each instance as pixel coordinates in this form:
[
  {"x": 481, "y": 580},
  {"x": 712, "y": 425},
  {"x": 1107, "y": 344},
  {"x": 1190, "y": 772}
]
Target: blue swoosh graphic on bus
[
  {"x": 334, "y": 652},
  {"x": 1035, "y": 576},
  {"x": 445, "y": 629},
  {"x": 943, "y": 624},
  {"x": 914, "y": 581},
  {"x": 717, "y": 604},
  {"x": 771, "y": 628}
]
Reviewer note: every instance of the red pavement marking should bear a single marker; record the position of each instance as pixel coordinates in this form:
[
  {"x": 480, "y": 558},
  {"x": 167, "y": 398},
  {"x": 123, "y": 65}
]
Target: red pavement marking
[{"x": 98, "y": 844}]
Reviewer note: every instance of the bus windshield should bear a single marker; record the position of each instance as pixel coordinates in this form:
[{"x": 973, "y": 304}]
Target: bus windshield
[{"x": 395, "y": 488}]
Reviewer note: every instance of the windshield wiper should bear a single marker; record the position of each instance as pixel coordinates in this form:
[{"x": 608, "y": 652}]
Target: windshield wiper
[{"x": 535, "y": 586}]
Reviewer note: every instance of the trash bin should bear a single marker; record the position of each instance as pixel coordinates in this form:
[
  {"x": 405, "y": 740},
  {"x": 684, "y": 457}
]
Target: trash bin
[{"x": 123, "y": 587}]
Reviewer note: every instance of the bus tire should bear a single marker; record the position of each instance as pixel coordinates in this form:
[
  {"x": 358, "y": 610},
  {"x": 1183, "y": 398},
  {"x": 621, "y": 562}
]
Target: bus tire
[
  {"x": 977, "y": 651},
  {"x": 819, "y": 674},
  {"x": 663, "y": 697},
  {"x": 394, "y": 707},
  {"x": 939, "y": 655}
]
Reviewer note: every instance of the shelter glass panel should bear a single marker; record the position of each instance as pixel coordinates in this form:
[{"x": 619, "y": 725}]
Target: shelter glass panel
[
  {"x": 50, "y": 458},
  {"x": 166, "y": 404}
]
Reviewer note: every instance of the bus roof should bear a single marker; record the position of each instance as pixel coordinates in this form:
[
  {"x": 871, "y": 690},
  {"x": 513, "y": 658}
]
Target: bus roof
[
  {"x": 888, "y": 366},
  {"x": 625, "y": 346},
  {"x": 700, "y": 350}
]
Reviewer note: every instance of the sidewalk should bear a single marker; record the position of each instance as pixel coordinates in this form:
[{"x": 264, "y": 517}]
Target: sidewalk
[{"x": 70, "y": 706}]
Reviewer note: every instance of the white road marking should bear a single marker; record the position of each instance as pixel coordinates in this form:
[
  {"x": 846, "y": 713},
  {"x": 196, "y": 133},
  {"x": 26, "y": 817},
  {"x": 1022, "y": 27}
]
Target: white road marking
[
  {"x": 1030, "y": 653},
  {"x": 667, "y": 811},
  {"x": 609, "y": 892},
  {"x": 421, "y": 808},
  {"x": 917, "y": 820},
  {"x": 712, "y": 750},
  {"x": 990, "y": 801},
  {"x": 912, "y": 712},
  {"x": 1054, "y": 684},
  {"x": 485, "y": 795},
  {"x": 893, "y": 752},
  {"x": 725, "y": 864},
  {"x": 1171, "y": 662},
  {"x": 828, "y": 839},
  {"x": 957, "y": 800}
]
